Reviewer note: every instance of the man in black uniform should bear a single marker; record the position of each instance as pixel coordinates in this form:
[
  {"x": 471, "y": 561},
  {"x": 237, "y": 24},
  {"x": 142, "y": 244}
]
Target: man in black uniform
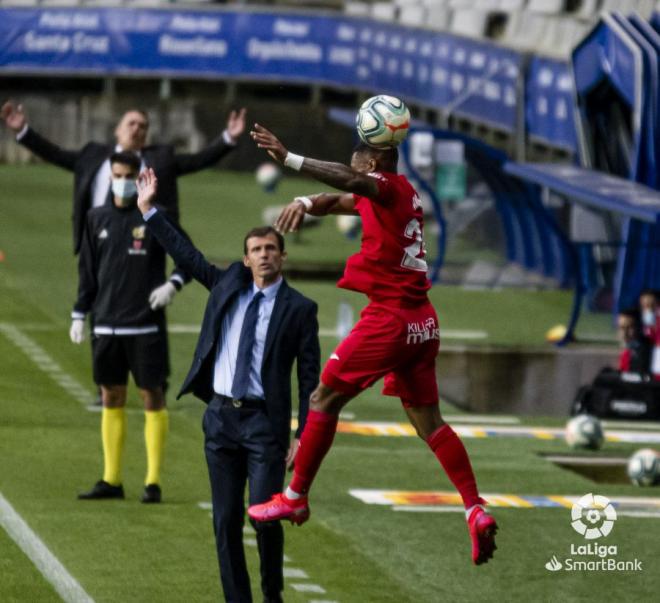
[{"x": 121, "y": 272}]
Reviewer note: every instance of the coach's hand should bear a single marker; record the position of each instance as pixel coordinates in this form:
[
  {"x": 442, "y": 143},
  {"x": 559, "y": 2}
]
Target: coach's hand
[
  {"x": 77, "y": 331},
  {"x": 147, "y": 185},
  {"x": 268, "y": 141},
  {"x": 162, "y": 296},
  {"x": 291, "y": 455},
  {"x": 13, "y": 116},
  {"x": 291, "y": 217},
  {"x": 236, "y": 124}
]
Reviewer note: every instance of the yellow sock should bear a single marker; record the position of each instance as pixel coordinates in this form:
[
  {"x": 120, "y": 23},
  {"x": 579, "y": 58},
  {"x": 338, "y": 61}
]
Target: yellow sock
[
  {"x": 113, "y": 432},
  {"x": 156, "y": 425}
]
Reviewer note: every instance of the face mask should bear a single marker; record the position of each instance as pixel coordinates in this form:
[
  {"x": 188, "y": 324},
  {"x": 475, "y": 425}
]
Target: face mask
[
  {"x": 648, "y": 318},
  {"x": 124, "y": 188}
]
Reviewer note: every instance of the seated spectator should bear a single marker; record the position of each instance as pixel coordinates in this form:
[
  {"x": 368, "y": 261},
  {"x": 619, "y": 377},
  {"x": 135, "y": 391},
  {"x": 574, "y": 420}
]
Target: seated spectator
[
  {"x": 648, "y": 308},
  {"x": 636, "y": 355},
  {"x": 649, "y": 305}
]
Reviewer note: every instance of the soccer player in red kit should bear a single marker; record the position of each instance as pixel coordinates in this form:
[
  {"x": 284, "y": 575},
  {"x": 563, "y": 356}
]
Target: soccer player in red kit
[{"x": 397, "y": 336}]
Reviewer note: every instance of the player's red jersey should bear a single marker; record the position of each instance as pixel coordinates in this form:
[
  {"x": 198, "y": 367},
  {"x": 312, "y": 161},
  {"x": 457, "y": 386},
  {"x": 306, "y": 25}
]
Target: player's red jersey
[{"x": 390, "y": 265}]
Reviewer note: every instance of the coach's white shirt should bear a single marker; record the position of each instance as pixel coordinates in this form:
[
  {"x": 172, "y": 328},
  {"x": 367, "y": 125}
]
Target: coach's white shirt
[{"x": 230, "y": 333}]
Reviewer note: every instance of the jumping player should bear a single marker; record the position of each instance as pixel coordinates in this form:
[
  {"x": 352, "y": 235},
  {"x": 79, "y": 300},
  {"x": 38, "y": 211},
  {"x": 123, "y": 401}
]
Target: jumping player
[{"x": 397, "y": 336}]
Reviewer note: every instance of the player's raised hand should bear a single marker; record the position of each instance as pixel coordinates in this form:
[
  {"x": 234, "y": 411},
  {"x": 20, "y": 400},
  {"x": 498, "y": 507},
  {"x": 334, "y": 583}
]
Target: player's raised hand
[
  {"x": 268, "y": 141},
  {"x": 147, "y": 185},
  {"x": 291, "y": 217},
  {"x": 14, "y": 116},
  {"x": 236, "y": 123}
]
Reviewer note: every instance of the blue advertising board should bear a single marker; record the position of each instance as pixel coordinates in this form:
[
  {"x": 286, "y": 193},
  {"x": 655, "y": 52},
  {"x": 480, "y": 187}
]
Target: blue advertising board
[{"x": 468, "y": 77}]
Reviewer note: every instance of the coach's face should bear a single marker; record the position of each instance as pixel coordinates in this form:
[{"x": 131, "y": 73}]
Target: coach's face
[
  {"x": 131, "y": 131},
  {"x": 264, "y": 259}
]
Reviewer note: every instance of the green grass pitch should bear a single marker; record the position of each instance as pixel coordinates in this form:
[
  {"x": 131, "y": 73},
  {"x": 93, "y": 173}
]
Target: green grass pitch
[{"x": 124, "y": 551}]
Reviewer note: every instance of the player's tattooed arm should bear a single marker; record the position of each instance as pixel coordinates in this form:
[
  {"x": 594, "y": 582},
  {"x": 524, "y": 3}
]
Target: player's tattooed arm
[
  {"x": 321, "y": 204},
  {"x": 333, "y": 174}
]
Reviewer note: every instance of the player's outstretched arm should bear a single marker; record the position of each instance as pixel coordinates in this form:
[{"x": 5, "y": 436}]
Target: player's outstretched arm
[
  {"x": 316, "y": 205},
  {"x": 333, "y": 174}
]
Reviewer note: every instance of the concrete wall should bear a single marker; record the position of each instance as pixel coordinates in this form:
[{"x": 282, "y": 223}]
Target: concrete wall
[{"x": 526, "y": 381}]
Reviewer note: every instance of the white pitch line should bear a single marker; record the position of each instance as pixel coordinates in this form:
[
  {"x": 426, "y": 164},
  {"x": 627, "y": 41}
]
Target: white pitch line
[
  {"x": 45, "y": 362},
  {"x": 295, "y": 572},
  {"x": 50, "y": 567},
  {"x": 305, "y": 587}
]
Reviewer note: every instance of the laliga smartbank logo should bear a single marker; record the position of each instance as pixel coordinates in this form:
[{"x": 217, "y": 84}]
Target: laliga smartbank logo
[{"x": 593, "y": 517}]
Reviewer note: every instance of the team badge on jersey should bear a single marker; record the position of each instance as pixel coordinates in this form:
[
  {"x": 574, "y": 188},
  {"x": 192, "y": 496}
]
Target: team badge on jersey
[
  {"x": 103, "y": 234},
  {"x": 138, "y": 241}
]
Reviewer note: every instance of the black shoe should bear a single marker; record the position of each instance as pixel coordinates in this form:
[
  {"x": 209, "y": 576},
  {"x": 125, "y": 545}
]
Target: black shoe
[
  {"x": 103, "y": 489},
  {"x": 151, "y": 494}
]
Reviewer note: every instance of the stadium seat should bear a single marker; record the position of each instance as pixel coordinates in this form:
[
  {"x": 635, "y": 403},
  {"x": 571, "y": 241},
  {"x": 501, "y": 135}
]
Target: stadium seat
[
  {"x": 588, "y": 10},
  {"x": 413, "y": 15},
  {"x": 646, "y": 8},
  {"x": 523, "y": 30},
  {"x": 457, "y": 4},
  {"x": 469, "y": 22},
  {"x": 487, "y": 5},
  {"x": 624, "y": 6},
  {"x": 383, "y": 11},
  {"x": 438, "y": 17},
  {"x": 558, "y": 37},
  {"x": 509, "y": 6},
  {"x": 546, "y": 7},
  {"x": 357, "y": 9}
]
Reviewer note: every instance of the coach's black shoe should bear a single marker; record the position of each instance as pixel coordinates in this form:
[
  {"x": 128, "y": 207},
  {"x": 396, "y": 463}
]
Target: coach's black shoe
[
  {"x": 102, "y": 489},
  {"x": 151, "y": 494}
]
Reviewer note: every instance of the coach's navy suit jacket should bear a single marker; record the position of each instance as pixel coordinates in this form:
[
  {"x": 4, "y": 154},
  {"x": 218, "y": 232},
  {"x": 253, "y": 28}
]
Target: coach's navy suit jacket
[{"x": 292, "y": 332}]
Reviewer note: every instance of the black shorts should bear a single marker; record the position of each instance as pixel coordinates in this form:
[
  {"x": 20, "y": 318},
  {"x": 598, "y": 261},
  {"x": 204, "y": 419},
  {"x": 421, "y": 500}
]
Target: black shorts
[{"x": 145, "y": 356}]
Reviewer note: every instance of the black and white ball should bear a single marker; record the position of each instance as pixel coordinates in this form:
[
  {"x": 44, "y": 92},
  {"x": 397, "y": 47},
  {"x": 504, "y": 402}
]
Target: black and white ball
[
  {"x": 644, "y": 467},
  {"x": 584, "y": 431}
]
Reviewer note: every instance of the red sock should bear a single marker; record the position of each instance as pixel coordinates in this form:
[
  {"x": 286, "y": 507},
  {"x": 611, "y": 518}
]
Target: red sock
[
  {"x": 315, "y": 442},
  {"x": 453, "y": 457}
]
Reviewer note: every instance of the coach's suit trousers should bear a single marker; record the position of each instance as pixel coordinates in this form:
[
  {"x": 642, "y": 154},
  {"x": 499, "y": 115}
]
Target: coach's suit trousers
[{"x": 240, "y": 447}]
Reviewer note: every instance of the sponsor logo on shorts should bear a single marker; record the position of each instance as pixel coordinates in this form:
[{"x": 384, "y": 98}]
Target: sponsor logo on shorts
[
  {"x": 103, "y": 234},
  {"x": 334, "y": 356},
  {"x": 421, "y": 331}
]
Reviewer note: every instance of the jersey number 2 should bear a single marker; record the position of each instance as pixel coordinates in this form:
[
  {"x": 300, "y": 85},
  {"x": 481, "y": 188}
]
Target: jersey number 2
[{"x": 410, "y": 259}]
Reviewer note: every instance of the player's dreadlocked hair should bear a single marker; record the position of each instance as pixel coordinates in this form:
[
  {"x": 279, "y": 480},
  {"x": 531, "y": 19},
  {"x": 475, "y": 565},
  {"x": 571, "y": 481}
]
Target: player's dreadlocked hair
[{"x": 387, "y": 159}]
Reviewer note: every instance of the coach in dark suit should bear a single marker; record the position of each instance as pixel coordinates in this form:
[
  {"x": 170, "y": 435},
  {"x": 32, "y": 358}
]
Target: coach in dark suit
[
  {"x": 254, "y": 327},
  {"x": 91, "y": 168}
]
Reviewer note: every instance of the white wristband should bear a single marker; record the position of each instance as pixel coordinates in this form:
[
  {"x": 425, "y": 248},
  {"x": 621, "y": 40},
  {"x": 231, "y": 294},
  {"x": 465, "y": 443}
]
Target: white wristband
[
  {"x": 306, "y": 201},
  {"x": 294, "y": 161}
]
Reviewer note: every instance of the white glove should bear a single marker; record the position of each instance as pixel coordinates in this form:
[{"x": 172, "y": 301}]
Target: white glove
[
  {"x": 161, "y": 296},
  {"x": 77, "y": 330}
]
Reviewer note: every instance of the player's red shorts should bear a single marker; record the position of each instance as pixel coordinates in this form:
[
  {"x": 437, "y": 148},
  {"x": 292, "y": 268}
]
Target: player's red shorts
[{"x": 399, "y": 344}]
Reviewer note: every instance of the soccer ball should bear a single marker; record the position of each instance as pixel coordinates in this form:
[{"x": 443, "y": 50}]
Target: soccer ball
[
  {"x": 584, "y": 431},
  {"x": 383, "y": 121},
  {"x": 349, "y": 226},
  {"x": 644, "y": 467},
  {"x": 268, "y": 176}
]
